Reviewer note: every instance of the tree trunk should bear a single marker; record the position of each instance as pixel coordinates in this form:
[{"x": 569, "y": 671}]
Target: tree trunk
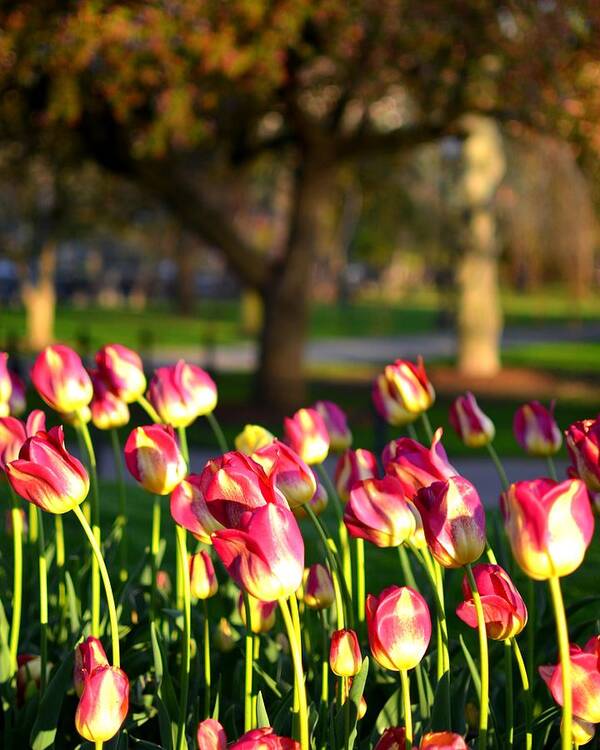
[
  {"x": 479, "y": 311},
  {"x": 39, "y": 300},
  {"x": 286, "y": 296}
]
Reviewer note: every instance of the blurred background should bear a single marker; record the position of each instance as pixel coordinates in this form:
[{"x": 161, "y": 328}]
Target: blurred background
[{"x": 292, "y": 193}]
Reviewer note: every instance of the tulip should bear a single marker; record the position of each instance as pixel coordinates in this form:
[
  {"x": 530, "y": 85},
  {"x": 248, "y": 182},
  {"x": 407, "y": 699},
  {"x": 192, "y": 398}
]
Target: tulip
[
  {"x": 265, "y": 554},
  {"x": 252, "y": 438},
  {"x": 378, "y": 512},
  {"x": 399, "y": 627},
  {"x": 585, "y": 680},
  {"x": 472, "y": 426},
  {"x": 582, "y": 731},
  {"x": 549, "y": 525},
  {"x": 13, "y": 434},
  {"x": 108, "y": 411},
  {"x": 89, "y": 655},
  {"x": 103, "y": 705},
  {"x": 211, "y": 735},
  {"x": 17, "y": 402},
  {"x": 439, "y": 740},
  {"x": 453, "y": 520},
  {"x": 535, "y": 429},
  {"x": 262, "y": 614},
  {"x": 154, "y": 459},
  {"x": 318, "y": 588},
  {"x": 403, "y": 392},
  {"x": 189, "y": 509},
  {"x": 317, "y": 503},
  {"x": 340, "y": 436},
  {"x": 307, "y": 434},
  {"x": 225, "y": 637},
  {"x": 353, "y": 466},
  {"x": 203, "y": 581},
  {"x": 583, "y": 443},
  {"x": 47, "y": 475},
  {"x": 61, "y": 379},
  {"x": 292, "y": 476},
  {"x": 415, "y": 465},
  {"x": 5, "y": 385},
  {"x": 345, "y": 658},
  {"x": 29, "y": 676},
  {"x": 181, "y": 393},
  {"x": 393, "y": 738},
  {"x": 504, "y": 610},
  {"x": 264, "y": 739},
  {"x": 123, "y": 371}
]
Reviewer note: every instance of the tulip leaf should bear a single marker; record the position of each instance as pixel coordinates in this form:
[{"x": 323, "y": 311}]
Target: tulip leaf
[
  {"x": 471, "y": 665},
  {"x": 440, "y": 714},
  {"x": 215, "y": 713},
  {"x": 262, "y": 717},
  {"x": 4, "y": 650},
  {"x": 391, "y": 714},
  {"x": 281, "y": 720},
  {"x": 166, "y": 701},
  {"x": 354, "y": 696},
  {"x": 270, "y": 682},
  {"x": 144, "y": 744},
  {"x": 44, "y": 730},
  {"x": 72, "y": 603}
]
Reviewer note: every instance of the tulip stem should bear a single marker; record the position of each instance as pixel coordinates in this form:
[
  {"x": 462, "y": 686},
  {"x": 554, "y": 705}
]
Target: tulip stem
[
  {"x": 407, "y": 572},
  {"x": 43, "y": 571},
  {"x": 324, "y": 660},
  {"x": 526, "y": 692},
  {"x": 207, "y": 675},
  {"x": 149, "y": 409},
  {"x": 217, "y": 431},
  {"x": 405, "y": 682},
  {"x": 565, "y": 661},
  {"x": 295, "y": 648},
  {"x": 122, "y": 517},
  {"x": 510, "y": 711},
  {"x": 85, "y": 434},
  {"x": 110, "y": 599},
  {"x": 360, "y": 579},
  {"x": 60, "y": 564},
  {"x": 15, "y": 624},
  {"x": 154, "y": 550},
  {"x": 499, "y": 466},
  {"x": 248, "y": 723},
  {"x": 412, "y": 432},
  {"x": 33, "y": 524},
  {"x": 484, "y": 671},
  {"x": 346, "y": 699},
  {"x": 552, "y": 468},
  {"x": 427, "y": 426},
  {"x": 185, "y": 646}
]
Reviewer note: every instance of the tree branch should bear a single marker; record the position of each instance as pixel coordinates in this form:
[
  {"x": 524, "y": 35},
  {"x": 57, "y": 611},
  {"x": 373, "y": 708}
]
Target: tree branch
[{"x": 370, "y": 142}]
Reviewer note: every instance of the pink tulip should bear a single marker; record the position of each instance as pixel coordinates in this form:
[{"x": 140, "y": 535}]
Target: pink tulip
[
  {"x": 181, "y": 393},
  {"x": 441, "y": 740},
  {"x": 153, "y": 458},
  {"x": 61, "y": 379},
  {"x": 262, "y": 614},
  {"x": 189, "y": 509},
  {"x": 123, "y": 371},
  {"x": 13, "y": 434},
  {"x": 403, "y": 392},
  {"x": 583, "y": 443},
  {"x": 393, "y": 738},
  {"x": 16, "y": 403},
  {"x": 203, "y": 581},
  {"x": 107, "y": 409},
  {"x": 472, "y": 426},
  {"x": 535, "y": 429},
  {"x": 5, "y": 385},
  {"x": 317, "y": 503},
  {"x": 340, "y": 436},
  {"x": 89, "y": 655},
  {"x": 292, "y": 476},
  {"x": 345, "y": 659},
  {"x": 318, "y": 588},
  {"x": 210, "y": 735},
  {"x": 307, "y": 434},
  {"x": 352, "y": 467},
  {"x": 264, "y": 739},
  {"x": 103, "y": 705}
]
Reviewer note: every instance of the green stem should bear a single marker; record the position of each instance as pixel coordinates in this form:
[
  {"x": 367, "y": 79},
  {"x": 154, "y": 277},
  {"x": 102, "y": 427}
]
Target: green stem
[
  {"x": 526, "y": 693},
  {"x": 510, "y": 711},
  {"x": 217, "y": 431},
  {"x": 33, "y": 524},
  {"x": 95, "y": 504},
  {"x": 360, "y": 579},
  {"x": 407, "y": 572},
  {"x": 185, "y": 646},
  {"x": 154, "y": 550},
  {"x": 122, "y": 518},
  {"x": 60, "y": 564},
  {"x": 248, "y": 667},
  {"x": 17, "y": 602},
  {"x": 499, "y": 466},
  {"x": 531, "y": 630},
  {"x": 405, "y": 682},
  {"x": 552, "y": 468},
  {"x": 484, "y": 670},
  {"x": 324, "y": 660},
  {"x": 183, "y": 444},
  {"x": 345, "y": 691},
  {"x": 207, "y": 675},
  {"x": 412, "y": 432},
  {"x": 110, "y": 599},
  {"x": 149, "y": 409},
  {"x": 43, "y": 572},
  {"x": 295, "y": 648},
  {"x": 565, "y": 661},
  {"x": 427, "y": 426}
]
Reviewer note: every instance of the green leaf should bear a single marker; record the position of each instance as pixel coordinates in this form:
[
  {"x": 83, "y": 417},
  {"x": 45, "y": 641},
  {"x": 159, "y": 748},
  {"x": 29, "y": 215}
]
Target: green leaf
[
  {"x": 262, "y": 717},
  {"x": 166, "y": 700},
  {"x": 440, "y": 714},
  {"x": 4, "y": 648},
  {"x": 471, "y": 665},
  {"x": 73, "y": 604},
  {"x": 44, "y": 730},
  {"x": 269, "y": 681},
  {"x": 283, "y": 715},
  {"x": 391, "y": 713}
]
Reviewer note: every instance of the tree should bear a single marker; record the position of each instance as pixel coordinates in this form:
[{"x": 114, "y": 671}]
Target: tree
[{"x": 189, "y": 98}]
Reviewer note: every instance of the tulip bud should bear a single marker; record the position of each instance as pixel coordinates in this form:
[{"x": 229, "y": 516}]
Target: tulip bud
[
  {"x": 318, "y": 502},
  {"x": 61, "y": 379},
  {"x": 403, "y": 392},
  {"x": 585, "y": 680},
  {"x": 252, "y": 438},
  {"x": 16, "y": 403},
  {"x": 535, "y": 429},
  {"x": 472, "y": 426},
  {"x": 293, "y": 478},
  {"x": 583, "y": 443},
  {"x": 362, "y": 708},
  {"x": 549, "y": 525},
  {"x": 399, "y": 627},
  {"x": 340, "y": 436},
  {"x": 393, "y": 738},
  {"x": 108, "y": 411},
  {"x": 47, "y": 475},
  {"x": 123, "y": 371},
  {"x": 415, "y": 465},
  {"x": 225, "y": 637},
  {"x": 307, "y": 434},
  {"x": 262, "y": 614},
  {"x": 203, "y": 581},
  {"x": 29, "y": 672},
  {"x": 264, "y": 739},
  {"x": 453, "y": 520},
  {"x": 89, "y": 655},
  {"x": 440, "y": 740},
  {"x": 153, "y": 458},
  {"x": 345, "y": 658},
  {"x": 352, "y": 467},
  {"x": 5, "y": 385},
  {"x": 318, "y": 588},
  {"x": 103, "y": 705},
  {"x": 189, "y": 509},
  {"x": 378, "y": 512},
  {"x": 181, "y": 393},
  {"x": 211, "y": 735},
  {"x": 504, "y": 610}
]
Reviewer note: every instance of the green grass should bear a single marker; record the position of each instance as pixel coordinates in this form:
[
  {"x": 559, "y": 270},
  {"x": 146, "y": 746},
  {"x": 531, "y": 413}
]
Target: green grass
[{"x": 563, "y": 357}]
